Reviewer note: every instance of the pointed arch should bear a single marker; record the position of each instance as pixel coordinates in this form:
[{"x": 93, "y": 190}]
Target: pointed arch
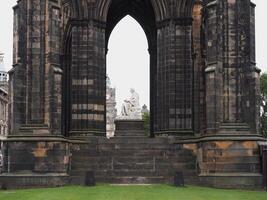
[
  {"x": 99, "y": 9},
  {"x": 160, "y": 7},
  {"x": 141, "y": 11}
]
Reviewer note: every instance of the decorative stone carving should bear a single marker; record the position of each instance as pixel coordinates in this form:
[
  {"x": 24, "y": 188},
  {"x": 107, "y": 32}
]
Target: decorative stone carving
[
  {"x": 111, "y": 109},
  {"x": 131, "y": 108}
]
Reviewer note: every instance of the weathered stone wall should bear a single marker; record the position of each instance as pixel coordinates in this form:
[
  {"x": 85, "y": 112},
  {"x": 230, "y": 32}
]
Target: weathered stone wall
[
  {"x": 229, "y": 157},
  {"x": 230, "y": 164},
  {"x": 133, "y": 160},
  {"x": 35, "y": 156}
]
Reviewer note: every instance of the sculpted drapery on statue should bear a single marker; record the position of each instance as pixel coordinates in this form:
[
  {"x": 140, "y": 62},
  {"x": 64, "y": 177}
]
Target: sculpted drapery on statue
[{"x": 131, "y": 107}]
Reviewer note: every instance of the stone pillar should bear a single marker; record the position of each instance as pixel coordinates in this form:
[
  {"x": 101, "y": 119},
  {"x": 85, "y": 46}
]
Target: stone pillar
[
  {"x": 53, "y": 68},
  {"x": 199, "y": 67},
  {"x": 34, "y": 143},
  {"x": 231, "y": 74},
  {"x": 37, "y": 38},
  {"x": 232, "y": 91},
  {"x": 174, "y": 113},
  {"x": 87, "y": 75},
  {"x": 250, "y": 90},
  {"x": 18, "y": 76},
  {"x": 214, "y": 64}
]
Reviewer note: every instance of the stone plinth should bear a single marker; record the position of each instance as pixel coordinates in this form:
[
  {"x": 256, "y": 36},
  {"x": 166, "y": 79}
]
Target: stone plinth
[{"x": 130, "y": 128}]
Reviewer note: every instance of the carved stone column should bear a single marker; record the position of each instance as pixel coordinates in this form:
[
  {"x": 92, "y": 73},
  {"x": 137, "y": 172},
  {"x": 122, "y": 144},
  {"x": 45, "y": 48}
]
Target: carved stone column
[
  {"x": 37, "y": 37},
  {"x": 231, "y": 74},
  {"x": 174, "y": 113},
  {"x": 87, "y": 79}
]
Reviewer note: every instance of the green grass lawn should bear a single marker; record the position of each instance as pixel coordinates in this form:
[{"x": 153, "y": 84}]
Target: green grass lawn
[{"x": 153, "y": 192}]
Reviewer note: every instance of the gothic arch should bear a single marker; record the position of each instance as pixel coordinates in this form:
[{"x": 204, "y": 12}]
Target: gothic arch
[
  {"x": 98, "y": 10},
  {"x": 141, "y": 11},
  {"x": 160, "y": 8},
  {"x": 87, "y": 32}
]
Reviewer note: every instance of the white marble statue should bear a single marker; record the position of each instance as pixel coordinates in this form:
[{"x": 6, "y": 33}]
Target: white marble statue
[
  {"x": 131, "y": 107},
  {"x": 111, "y": 109}
]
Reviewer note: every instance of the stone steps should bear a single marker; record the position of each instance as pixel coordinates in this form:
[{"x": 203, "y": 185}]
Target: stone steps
[
  {"x": 132, "y": 160},
  {"x": 234, "y": 128},
  {"x": 139, "y": 180},
  {"x": 127, "y": 172}
]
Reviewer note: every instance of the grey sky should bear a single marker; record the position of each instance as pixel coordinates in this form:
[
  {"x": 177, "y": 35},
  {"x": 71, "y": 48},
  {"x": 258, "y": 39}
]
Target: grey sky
[{"x": 128, "y": 65}]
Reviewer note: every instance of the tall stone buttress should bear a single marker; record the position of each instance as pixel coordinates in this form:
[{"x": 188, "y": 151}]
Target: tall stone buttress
[
  {"x": 37, "y": 73},
  {"x": 232, "y": 78}
]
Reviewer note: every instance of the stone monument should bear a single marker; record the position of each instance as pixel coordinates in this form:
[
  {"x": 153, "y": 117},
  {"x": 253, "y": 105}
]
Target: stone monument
[
  {"x": 130, "y": 122},
  {"x": 206, "y": 101},
  {"x": 131, "y": 108},
  {"x": 111, "y": 111}
]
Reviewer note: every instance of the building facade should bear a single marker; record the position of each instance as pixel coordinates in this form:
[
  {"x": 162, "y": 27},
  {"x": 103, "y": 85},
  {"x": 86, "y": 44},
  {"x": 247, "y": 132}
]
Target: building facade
[
  {"x": 3, "y": 106},
  {"x": 204, "y": 89},
  {"x": 3, "y": 112},
  {"x": 3, "y": 98},
  {"x": 3, "y": 73}
]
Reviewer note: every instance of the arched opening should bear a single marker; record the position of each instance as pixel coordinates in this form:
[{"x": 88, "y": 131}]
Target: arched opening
[
  {"x": 128, "y": 62},
  {"x": 142, "y": 14},
  {"x": 128, "y": 59}
]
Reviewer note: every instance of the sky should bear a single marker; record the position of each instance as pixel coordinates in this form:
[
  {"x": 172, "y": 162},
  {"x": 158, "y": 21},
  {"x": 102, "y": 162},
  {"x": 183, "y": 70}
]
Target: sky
[{"x": 128, "y": 65}]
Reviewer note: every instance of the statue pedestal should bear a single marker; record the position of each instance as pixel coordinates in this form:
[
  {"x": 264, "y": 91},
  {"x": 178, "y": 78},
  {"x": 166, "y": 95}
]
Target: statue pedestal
[{"x": 129, "y": 128}]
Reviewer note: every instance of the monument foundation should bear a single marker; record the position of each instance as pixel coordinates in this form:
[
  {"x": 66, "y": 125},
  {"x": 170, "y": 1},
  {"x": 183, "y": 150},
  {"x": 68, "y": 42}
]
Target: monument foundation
[{"x": 130, "y": 128}]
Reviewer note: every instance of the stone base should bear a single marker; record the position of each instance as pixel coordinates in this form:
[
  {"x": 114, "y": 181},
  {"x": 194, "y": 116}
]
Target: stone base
[
  {"x": 216, "y": 161},
  {"x": 129, "y": 124},
  {"x": 230, "y": 181},
  {"x": 35, "y": 154},
  {"x": 130, "y": 128},
  {"x": 20, "y": 181}
]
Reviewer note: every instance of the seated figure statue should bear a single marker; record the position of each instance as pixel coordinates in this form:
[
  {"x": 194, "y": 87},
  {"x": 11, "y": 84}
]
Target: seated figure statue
[{"x": 131, "y": 108}]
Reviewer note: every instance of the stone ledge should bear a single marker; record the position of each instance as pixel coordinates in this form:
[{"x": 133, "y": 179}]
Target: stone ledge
[
  {"x": 231, "y": 175},
  {"x": 33, "y": 175},
  {"x": 233, "y": 181},
  {"x": 28, "y": 180},
  {"x": 209, "y": 138}
]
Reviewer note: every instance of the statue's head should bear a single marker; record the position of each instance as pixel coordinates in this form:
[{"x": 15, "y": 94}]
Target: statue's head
[{"x": 132, "y": 90}]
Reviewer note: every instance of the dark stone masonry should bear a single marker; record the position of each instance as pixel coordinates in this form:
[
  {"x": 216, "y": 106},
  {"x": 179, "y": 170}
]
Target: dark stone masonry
[{"x": 204, "y": 96}]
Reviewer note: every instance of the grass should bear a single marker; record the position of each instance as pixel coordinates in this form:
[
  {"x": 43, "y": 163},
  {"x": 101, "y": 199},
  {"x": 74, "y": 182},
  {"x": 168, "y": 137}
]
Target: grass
[{"x": 153, "y": 192}]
